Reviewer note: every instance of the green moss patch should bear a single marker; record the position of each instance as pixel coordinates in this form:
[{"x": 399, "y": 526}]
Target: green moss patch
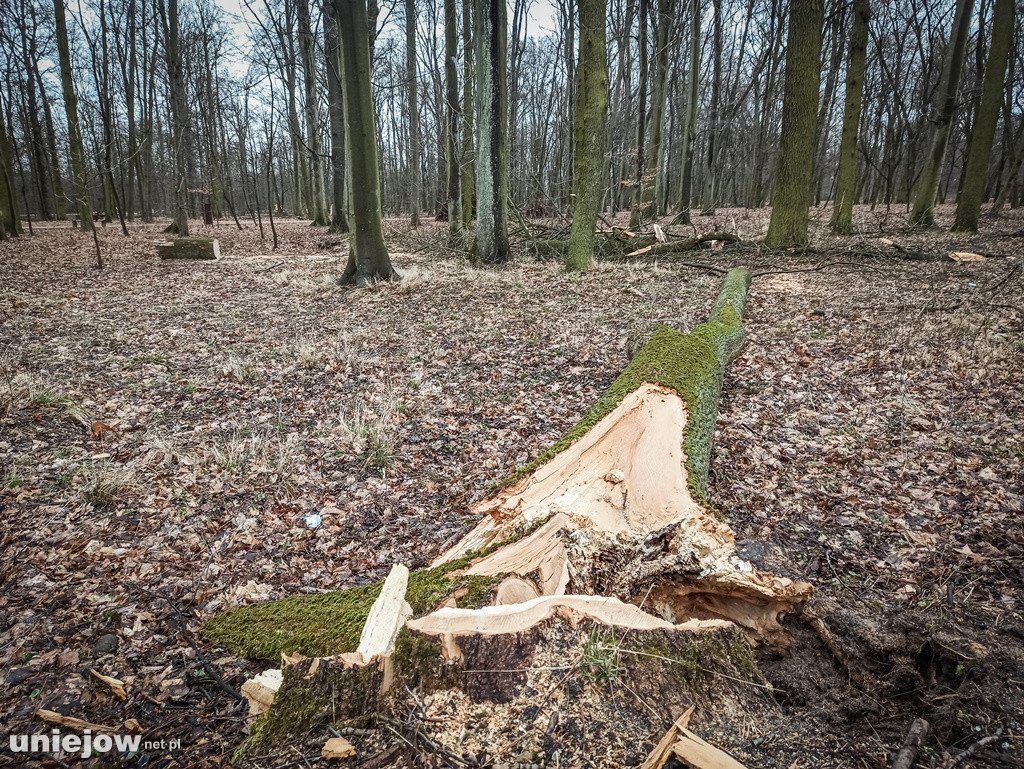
[
  {"x": 692, "y": 364},
  {"x": 331, "y": 623}
]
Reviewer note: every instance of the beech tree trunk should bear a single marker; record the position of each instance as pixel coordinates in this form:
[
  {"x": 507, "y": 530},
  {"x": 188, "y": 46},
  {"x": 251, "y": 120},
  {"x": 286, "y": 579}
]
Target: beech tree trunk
[
  {"x": 650, "y": 183},
  {"x": 690, "y": 127},
  {"x": 975, "y": 174},
  {"x": 591, "y": 120},
  {"x": 10, "y": 223},
  {"x": 846, "y": 176},
  {"x": 710, "y": 201},
  {"x": 491, "y": 245},
  {"x": 468, "y": 155},
  {"x": 452, "y": 169},
  {"x": 336, "y": 114},
  {"x": 942, "y": 117},
  {"x": 179, "y": 115},
  {"x": 412, "y": 86},
  {"x": 317, "y": 203},
  {"x": 369, "y": 260},
  {"x": 791, "y": 197},
  {"x": 71, "y": 110}
]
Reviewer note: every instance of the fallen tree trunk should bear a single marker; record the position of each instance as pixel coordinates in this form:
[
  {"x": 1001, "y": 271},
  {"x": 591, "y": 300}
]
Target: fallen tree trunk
[
  {"x": 597, "y": 562},
  {"x": 617, "y": 245}
]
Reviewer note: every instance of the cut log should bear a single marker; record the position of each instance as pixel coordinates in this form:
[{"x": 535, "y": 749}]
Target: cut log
[
  {"x": 603, "y": 560},
  {"x": 189, "y": 248}
]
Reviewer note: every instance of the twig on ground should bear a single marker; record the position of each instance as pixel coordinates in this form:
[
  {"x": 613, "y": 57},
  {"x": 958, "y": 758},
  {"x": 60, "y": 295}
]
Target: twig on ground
[
  {"x": 963, "y": 755},
  {"x": 916, "y": 735}
]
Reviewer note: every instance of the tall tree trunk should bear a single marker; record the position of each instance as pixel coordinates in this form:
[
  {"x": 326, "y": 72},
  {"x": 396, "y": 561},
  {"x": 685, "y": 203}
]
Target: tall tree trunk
[
  {"x": 10, "y": 222},
  {"x": 491, "y": 131},
  {"x": 300, "y": 172},
  {"x": 412, "y": 95},
  {"x": 336, "y": 113},
  {"x": 57, "y": 181},
  {"x": 179, "y": 113},
  {"x": 690, "y": 127},
  {"x": 976, "y": 167},
  {"x": 650, "y": 189},
  {"x": 791, "y": 196},
  {"x": 710, "y": 201},
  {"x": 591, "y": 120},
  {"x": 823, "y": 138},
  {"x": 369, "y": 260},
  {"x": 36, "y": 145},
  {"x": 451, "y": 117},
  {"x": 1010, "y": 175},
  {"x": 317, "y": 203},
  {"x": 71, "y": 110},
  {"x": 846, "y": 176},
  {"x": 641, "y": 113},
  {"x": 945, "y": 106},
  {"x": 468, "y": 153}
]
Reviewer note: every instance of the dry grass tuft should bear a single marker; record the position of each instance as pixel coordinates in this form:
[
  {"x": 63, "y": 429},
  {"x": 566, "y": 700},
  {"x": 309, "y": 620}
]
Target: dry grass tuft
[
  {"x": 371, "y": 434},
  {"x": 106, "y": 484}
]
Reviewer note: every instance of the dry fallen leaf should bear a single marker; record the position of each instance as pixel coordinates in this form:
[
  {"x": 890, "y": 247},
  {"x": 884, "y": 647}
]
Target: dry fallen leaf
[{"x": 337, "y": 747}]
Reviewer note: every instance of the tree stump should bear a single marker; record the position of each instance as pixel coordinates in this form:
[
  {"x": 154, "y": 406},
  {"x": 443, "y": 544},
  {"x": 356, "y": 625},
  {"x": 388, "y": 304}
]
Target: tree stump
[
  {"x": 189, "y": 248},
  {"x": 600, "y": 585}
]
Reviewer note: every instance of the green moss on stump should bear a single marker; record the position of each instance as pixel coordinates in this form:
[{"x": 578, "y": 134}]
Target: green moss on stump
[
  {"x": 692, "y": 364},
  {"x": 331, "y": 623}
]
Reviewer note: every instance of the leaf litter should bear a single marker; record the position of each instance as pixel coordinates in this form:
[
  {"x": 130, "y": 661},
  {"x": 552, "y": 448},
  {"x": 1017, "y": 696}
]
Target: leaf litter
[{"x": 869, "y": 442}]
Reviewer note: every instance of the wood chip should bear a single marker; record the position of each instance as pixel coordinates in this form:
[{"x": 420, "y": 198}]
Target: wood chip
[
  {"x": 965, "y": 256},
  {"x": 701, "y": 754},
  {"x": 117, "y": 687},
  {"x": 73, "y": 723},
  {"x": 260, "y": 691}
]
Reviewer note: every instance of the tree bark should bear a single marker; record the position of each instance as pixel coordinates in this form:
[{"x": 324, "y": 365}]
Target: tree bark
[
  {"x": 975, "y": 172},
  {"x": 412, "y": 96},
  {"x": 710, "y": 200},
  {"x": 791, "y": 197},
  {"x": 650, "y": 187},
  {"x": 179, "y": 114},
  {"x": 71, "y": 109},
  {"x": 491, "y": 245},
  {"x": 923, "y": 214},
  {"x": 451, "y": 116},
  {"x": 371, "y": 260},
  {"x": 10, "y": 222},
  {"x": 591, "y": 120},
  {"x": 317, "y": 203},
  {"x": 846, "y": 176},
  {"x": 336, "y": 113},
  {"x": 468, "y": 153},
  {"x": 690, "y": 127}
]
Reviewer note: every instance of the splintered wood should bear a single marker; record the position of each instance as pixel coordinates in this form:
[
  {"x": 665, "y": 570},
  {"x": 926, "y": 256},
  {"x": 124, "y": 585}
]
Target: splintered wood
[
  {"x": 601, "y": 552},
  {"x": 620, "y": 484}
]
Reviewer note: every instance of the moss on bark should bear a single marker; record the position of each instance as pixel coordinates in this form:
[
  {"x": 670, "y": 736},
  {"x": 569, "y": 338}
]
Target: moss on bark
[
  {"x": 692, "y": 364},
  {"x": 331, "y": 623}
]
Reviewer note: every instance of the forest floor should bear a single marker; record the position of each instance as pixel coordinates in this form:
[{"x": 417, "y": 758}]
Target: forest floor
[{"x": 166, "y": 429}]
